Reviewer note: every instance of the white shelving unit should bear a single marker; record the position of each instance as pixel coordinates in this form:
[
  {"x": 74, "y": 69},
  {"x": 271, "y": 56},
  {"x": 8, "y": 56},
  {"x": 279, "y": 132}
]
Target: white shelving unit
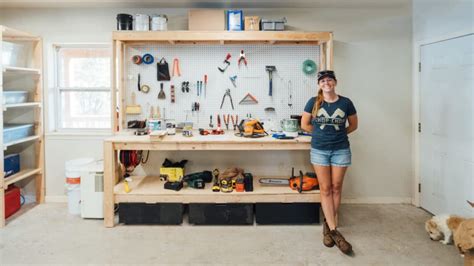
[{"x": 24, "y": 76}]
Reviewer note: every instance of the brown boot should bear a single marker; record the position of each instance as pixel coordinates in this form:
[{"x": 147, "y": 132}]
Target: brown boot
[
  {"x": 341, "y": 242},
  {"x": 327, "y": 240}
]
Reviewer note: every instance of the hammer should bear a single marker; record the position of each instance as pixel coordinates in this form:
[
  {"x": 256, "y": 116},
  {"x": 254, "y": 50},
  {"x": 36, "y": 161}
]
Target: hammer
[{"x": 270, "y": 70}]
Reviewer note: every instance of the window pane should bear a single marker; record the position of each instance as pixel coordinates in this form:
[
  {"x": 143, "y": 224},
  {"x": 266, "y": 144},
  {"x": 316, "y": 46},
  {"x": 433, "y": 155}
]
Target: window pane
[
  {"x": 84, "y": 67},
  {"x": 85, "y": 109}
]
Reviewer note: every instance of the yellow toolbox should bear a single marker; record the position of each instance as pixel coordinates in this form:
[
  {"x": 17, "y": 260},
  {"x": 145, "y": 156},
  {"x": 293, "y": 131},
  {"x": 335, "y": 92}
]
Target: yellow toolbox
[{"x": 172, "y": 174}]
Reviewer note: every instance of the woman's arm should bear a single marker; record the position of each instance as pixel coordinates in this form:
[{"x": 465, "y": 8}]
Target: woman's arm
[
  {"x": 306, "y": 122},
  {"x": 353, "y": 121}
]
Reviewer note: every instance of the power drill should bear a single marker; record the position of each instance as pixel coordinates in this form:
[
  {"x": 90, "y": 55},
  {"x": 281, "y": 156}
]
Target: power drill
[{"x": 198, "y": 180}]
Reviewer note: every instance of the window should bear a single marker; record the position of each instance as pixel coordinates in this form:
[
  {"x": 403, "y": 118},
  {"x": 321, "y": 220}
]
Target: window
[{"x": 83, "y": 86}]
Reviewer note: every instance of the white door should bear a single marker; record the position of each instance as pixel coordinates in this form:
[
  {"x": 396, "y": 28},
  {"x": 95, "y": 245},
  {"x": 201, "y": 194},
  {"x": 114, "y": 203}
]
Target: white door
[{"x": 447, "y": 128}]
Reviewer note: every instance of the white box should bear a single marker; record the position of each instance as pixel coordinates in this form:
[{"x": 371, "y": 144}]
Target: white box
[{"x": 92, "y": 190}]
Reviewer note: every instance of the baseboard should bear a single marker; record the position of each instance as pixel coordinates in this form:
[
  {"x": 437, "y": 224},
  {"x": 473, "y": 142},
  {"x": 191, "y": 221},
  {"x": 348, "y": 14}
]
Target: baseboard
[
  {"x": 60, "y": 199},
  {"x": 378, "y": 200}
]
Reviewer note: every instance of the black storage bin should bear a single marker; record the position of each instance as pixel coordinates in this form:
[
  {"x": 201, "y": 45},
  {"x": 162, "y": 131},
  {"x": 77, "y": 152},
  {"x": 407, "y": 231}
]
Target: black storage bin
[
  {"x": 221, "y": 214},
  {"x": 287, "y": 213},
  {"x": 157, "y": 213}
]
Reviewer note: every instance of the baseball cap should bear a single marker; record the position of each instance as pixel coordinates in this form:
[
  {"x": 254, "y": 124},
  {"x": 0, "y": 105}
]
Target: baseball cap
[{"x": 326, "y": 73}]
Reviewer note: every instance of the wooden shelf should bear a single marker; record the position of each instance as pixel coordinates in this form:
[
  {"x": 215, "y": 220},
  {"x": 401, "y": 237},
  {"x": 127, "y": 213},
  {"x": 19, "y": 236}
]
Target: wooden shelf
[
  {"x": 18, "y": 105},
  {"x": 21, "y": 70},
  {"x": 23, "y": 140},
  {"x": 20, "y": 176},
  {"x": 10, "y": 34},
  {"x": 150, "y": 189},
  {"x": 224, "y": 37}
]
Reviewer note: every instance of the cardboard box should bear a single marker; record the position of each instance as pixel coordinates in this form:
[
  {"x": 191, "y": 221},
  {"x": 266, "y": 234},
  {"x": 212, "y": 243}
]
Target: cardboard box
[
  {"x": 252, "y": 23},
  {"x": 206, "y": 19}
]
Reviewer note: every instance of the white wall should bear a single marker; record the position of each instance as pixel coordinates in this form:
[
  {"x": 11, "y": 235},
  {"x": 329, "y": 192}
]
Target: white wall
[{"x": 373, "y": 65}]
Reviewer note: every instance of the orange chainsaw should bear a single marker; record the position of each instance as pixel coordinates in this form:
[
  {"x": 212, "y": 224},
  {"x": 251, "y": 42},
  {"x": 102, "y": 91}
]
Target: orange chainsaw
[{"x": 300, "y": 183}]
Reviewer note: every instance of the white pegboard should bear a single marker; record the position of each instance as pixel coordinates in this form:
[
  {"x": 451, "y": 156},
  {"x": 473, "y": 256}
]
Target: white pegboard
[{"x": 198, "y": 60}]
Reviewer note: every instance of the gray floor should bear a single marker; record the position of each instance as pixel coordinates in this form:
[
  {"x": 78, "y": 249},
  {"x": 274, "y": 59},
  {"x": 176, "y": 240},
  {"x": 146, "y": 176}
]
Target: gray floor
[{"x": 380, "y": 234}]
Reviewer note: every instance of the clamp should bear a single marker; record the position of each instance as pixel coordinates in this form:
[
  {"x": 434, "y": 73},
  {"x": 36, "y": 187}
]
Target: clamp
[
  {"x": 242, "y": 58},
  {"x": 226, "y": 121},
  {"x": 227, "y": 93},
  {"x": 235, "y": 121}
]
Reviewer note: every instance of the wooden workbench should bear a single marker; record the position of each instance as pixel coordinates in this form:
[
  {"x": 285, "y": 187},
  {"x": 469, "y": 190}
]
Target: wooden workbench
[{"x": 150, "y": 189}]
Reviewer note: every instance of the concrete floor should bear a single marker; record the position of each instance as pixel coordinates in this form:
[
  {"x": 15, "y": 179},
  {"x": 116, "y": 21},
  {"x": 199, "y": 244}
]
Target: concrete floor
[{"x": 380, "y": 234}]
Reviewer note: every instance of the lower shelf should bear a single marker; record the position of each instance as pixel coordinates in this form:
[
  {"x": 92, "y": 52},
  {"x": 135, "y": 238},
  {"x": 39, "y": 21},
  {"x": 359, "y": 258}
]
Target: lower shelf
[
  {"x": 20, "y": 176},
  {"x": 150, "y": 189}
]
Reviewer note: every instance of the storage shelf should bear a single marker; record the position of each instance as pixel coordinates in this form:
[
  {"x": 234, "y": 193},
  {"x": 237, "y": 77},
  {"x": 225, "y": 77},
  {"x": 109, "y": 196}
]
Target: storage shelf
[
  {"x": 6, "y": 145},
  {"x": 224, "y": 37},
  {"x": 150, "y": 189},
  {"x": 21, "y": 70},
  {"x": 17, "y": 105},
  {"x": 10, "y": 34},
  {"x": 20, "y": 176}
]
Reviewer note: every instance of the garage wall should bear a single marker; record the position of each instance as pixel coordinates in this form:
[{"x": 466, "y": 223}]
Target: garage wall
[{"x": 373, "y": 64}]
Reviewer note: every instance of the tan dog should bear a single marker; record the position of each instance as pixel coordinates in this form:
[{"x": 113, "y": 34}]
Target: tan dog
[
  {"x": 464, "y": 240},
  {"x": 441, "y": 227}
]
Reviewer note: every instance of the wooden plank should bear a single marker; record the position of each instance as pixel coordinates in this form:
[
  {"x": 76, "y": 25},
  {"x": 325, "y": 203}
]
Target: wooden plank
[
  {"x": 21, "y": 175},
  {"x": 6, "y": 145},
  {"x": 18, "y": 105},
  {"x": 225, "y": 36},
  {"x": 227, "y": 141},
  {"x": 12, "y": 34},
  {"x": 39, "y": 130},
  {"x": 109, "y": 177},
  {"x": 150, "y": 189},
  {"x": 330, "y": 55}
]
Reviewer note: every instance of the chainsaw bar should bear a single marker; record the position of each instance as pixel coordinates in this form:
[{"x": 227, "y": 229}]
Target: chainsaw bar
[{"x": 274, "y": 181}]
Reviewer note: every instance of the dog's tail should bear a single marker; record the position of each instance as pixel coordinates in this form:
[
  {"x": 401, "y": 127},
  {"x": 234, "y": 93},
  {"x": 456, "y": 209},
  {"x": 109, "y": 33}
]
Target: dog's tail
[
  {"x": 454, "y": 222},
  {"x": 470, "y": 203}
]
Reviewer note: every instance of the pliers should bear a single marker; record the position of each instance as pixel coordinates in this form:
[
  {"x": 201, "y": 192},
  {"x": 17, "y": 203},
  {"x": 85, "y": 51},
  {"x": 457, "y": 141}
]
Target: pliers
[
  {"x": 242, "y": 58},
  {"x": 227, "y": 93},
  {"x": 235, "y": 120}
]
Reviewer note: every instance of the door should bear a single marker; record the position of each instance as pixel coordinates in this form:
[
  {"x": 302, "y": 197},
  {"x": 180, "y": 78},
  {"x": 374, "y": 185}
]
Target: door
[{"x": 446, "y": 116}]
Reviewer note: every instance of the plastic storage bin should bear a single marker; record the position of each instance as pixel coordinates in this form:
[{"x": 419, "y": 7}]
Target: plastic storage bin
[
  {"x": 273, "y": 24},
  {"x": 11, "y": 164},
  {"x": 12, "y": 132},
  {"x": 13, "y": 97},
  {"x": 14, "y": 54}
]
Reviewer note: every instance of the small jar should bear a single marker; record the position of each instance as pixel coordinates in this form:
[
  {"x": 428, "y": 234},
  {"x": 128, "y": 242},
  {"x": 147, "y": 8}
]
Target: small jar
[
  {"x": 142, "y": 22},
  {"x": 159, "y": 22},
  {"x": 124, "y": 22}
]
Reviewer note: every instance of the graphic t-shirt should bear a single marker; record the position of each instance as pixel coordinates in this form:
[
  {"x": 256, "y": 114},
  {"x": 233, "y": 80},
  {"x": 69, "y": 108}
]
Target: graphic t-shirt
[{"x": 329, "y": 125}]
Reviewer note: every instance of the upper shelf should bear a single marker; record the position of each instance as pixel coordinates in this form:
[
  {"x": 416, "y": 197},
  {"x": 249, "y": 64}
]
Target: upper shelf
[
  {"x": 224, "y": 37},
  {"x": 9, "y": 34}
]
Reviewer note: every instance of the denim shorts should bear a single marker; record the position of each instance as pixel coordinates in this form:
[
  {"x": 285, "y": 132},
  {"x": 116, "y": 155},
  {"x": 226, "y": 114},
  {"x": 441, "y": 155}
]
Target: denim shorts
[{"x": 340, "y": 157}]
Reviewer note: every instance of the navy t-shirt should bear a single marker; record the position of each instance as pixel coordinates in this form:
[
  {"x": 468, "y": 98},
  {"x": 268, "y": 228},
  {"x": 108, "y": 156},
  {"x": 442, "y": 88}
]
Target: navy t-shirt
[{"x": 329, "y": 125}]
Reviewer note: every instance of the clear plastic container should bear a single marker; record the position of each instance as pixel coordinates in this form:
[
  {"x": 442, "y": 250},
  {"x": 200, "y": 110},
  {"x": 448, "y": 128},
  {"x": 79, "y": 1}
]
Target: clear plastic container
[
  {"x": 13, "y": 97},
  {"x": 12, "y": 132},
  {"x": 14, "y": 54}
]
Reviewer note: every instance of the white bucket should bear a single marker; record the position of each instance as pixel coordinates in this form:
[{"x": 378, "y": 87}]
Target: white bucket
[
  {"x": 73, "y": 183},
  {"x": 159, "y": 22},
  {"x": 142, "y": 22}
]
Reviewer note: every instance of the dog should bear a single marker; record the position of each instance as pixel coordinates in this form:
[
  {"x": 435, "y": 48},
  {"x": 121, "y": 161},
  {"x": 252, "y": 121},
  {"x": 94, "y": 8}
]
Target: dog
[{"x": 441, "y": 227}]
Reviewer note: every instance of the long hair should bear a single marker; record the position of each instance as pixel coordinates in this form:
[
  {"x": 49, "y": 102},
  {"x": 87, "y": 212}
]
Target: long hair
[{"x": 319, "y": 101}]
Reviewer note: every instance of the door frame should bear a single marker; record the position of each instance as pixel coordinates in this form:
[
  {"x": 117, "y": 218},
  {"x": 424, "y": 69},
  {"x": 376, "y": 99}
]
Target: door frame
[{"x": 416, "y": 105}]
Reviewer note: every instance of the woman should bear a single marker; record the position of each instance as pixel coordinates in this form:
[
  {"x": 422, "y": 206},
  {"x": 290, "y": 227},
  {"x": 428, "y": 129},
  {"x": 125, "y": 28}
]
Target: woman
[{"x": 325, "y": 116}]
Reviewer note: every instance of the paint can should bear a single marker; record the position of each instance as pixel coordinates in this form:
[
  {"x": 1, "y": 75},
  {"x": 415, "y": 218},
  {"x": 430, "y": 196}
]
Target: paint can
[
  {"x": 142, "y": 22},
  {"x": 159, "y": 22},
  {"x": 124, "y": 22}
]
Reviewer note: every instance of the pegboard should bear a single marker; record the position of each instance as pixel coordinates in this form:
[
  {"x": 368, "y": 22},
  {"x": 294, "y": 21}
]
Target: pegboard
[{"x": 195, "y": 61}]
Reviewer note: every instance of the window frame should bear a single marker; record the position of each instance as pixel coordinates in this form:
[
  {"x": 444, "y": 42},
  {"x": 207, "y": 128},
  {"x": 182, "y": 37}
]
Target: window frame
[{"x": 58, "y": 89}]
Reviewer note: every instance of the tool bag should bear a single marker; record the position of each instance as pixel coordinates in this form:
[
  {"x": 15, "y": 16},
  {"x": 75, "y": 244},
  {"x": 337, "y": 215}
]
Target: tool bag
[{"x": 163, "y": 70}]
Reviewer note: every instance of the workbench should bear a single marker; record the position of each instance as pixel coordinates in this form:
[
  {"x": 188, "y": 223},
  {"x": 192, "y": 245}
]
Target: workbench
[{"x": 149, "y": 189}]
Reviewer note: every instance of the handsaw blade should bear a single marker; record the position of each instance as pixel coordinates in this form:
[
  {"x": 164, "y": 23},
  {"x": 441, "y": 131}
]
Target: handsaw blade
[{"x": 274, "y": 181}]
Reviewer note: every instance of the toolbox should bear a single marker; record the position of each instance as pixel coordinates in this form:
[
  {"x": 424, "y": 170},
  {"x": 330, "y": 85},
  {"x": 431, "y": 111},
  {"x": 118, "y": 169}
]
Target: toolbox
[
  {"x": 273, "y": 24},
  {"x": 12, "y": 201},
  {"x": 287, "y": 213},
  {"x": 155, "y": 213},
  {"x": 221, "y": 214},
  {"x": 12, "y": 132},
  {"x": 11, "y": 164}
]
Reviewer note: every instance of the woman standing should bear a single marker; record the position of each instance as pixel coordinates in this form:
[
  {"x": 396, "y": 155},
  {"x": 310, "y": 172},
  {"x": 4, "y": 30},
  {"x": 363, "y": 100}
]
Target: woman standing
[{"x": 325, "y": 116}]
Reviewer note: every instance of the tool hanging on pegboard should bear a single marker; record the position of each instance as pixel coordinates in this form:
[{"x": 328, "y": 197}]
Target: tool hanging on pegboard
[
  {"x": 270, "y": 70},
  {"x": 242, "y": 58},
  {"x": 290, "y": 94},
  {"x": 161, "y": 94},
  {"x": 205, "y": 85},
  {"x": 232, "y": 79},
  {"x": 176, "y": 71},
  {"x": 225, "y": 64},
  {"x": 227, "y": 93},
  {"x": 172, "y": 94}
]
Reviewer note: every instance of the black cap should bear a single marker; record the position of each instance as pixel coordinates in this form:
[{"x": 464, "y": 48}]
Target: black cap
[{"x": 326, "y": 73}]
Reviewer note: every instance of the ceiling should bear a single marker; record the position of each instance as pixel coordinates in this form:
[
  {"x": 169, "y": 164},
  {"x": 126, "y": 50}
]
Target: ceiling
[{"x": 205, "y": 3}]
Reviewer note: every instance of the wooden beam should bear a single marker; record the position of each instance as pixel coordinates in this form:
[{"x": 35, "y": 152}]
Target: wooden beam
[{"x": 109, "y": 178}]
